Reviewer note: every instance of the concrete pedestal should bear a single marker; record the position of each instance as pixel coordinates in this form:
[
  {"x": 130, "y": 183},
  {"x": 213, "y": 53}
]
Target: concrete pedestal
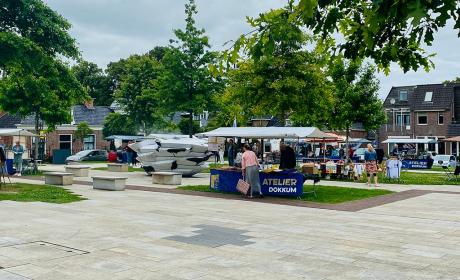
[
  {"x": 117, "y": 167},
  {"x": 78, "y": 170},
  {"x": 166, "y": 178},
  {"x": 109, "y": 183},
  {"x": 58, "y": 178}
]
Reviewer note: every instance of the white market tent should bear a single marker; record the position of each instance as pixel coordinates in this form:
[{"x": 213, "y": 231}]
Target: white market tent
[
  {"x": 267, "y": 132},
  {"x": 15, "y": 132},
  {"x": 408, "y": 141}
]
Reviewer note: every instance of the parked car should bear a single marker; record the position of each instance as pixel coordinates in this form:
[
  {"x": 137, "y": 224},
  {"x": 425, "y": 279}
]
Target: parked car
[
  {"x": 444, "y": 160},
  {"x": 88, "y": 155}
]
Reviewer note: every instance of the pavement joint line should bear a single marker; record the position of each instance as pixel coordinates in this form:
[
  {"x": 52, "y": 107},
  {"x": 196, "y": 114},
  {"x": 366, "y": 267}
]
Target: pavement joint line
[{"x": 350, "y": 206}]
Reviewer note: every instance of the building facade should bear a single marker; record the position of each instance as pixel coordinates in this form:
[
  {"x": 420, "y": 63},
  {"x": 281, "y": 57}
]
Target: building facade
[
  {"x": 423, "y": 112},
  {"x": 63, "y": 137}
]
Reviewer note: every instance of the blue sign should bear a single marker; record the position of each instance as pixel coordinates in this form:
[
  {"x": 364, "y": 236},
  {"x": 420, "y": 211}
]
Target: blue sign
[
  {"x": 415, "y": 164},
  {"x": 283, "y": 183}
]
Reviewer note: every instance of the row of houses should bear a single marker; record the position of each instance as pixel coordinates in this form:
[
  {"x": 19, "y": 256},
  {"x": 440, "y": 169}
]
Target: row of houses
[
  {"x": 63, "y": 137},
  {"x": 429, "y": 111}
]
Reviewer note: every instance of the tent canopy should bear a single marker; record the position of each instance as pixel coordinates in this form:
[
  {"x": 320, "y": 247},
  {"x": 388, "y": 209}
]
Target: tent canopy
[
  {"x": 358, "y": 140},
  {"x": 15, "y": 132},
  {"x": 408, "y": 141},
  {"x": 452, "y": 139},
  {"x": 267, "y": 132}
]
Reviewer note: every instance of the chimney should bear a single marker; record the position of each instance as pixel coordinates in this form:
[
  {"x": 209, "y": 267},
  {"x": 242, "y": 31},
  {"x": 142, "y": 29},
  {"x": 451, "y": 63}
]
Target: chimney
[{"x": 89, "y": 104}]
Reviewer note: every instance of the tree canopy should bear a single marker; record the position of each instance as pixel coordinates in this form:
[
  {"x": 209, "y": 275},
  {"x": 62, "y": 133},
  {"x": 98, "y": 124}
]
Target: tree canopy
[
  {"x": 355, "y": 97},
  {"x": 137, "y": 91},
  {"x": 118, "y": 124},
  {"x": 289, "y": 84},
  {"x": 33, "y": 41},
  {"x": 30, "y": 31},
  {"x": 186, "y": 83},
  {"x": 94, "y": 82},
  {"x": 386, "y": 31}
]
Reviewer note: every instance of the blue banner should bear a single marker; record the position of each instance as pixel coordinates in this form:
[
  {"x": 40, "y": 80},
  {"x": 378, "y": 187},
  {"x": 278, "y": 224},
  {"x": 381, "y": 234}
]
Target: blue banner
[
  {"x": 415, "y": 164},
  {"x": 282, "y": 183}
]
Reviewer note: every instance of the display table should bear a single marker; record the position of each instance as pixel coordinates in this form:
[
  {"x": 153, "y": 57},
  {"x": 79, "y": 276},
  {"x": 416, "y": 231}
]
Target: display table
[{"x": 282, "y": 183}]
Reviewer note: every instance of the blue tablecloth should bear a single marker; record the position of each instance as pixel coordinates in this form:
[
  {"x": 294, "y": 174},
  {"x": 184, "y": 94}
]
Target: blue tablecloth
[
  {"x": 284, "y": 183},
  {"x": 415, "y": 163}
]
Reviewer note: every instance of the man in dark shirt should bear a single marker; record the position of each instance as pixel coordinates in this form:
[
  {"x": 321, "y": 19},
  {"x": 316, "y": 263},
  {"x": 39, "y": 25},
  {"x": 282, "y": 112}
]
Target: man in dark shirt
[
  {"x": 231, "y": 153},
  {"x": 287, "y": 160},
  {"x": 3, "y": 169}
]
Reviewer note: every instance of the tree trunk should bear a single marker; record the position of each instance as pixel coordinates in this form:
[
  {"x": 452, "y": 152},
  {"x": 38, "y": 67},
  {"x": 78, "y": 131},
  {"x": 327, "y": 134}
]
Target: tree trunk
[
  {"x": 190, "y": 123},
  {"x": 37, "y": 140},
  {"x": 347, "y": 146}
]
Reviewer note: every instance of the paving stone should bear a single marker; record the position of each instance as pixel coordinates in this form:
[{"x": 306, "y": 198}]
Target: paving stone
[
  {"x": 141, "y": 235},
  {"x": 5, "y": 275}
]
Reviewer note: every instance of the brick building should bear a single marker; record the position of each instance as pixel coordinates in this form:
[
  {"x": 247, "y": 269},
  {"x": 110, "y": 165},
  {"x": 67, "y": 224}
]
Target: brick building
[
  {"x": 63, "y": 137},
  {"x": 423, "y": 112}
]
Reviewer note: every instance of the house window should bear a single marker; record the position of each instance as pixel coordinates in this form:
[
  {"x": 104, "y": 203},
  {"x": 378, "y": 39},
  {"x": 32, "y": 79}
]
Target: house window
[
  {"x": 406, "y": 119},
  {"x": 403, "y": 120},
  {"x": 428, "y": 96},
  {"x": 403, "y": 95},
  {"x": 440, "y": 118},
  {"x": 65, "y": 142},
  {"x": 422, "y": 119},
  {"x": 89, "y": 142}
]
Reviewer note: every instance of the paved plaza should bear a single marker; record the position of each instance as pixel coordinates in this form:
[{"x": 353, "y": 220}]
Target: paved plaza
[{"x": 156, "y": 235}]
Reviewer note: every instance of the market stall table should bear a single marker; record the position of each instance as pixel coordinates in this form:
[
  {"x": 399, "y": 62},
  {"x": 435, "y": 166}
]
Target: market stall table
[{"x": 276, "y": 183}]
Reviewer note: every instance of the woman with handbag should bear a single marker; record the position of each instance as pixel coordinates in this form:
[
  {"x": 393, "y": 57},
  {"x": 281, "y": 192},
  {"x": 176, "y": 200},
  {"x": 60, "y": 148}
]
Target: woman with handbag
[{"x": 250, "y": 168}]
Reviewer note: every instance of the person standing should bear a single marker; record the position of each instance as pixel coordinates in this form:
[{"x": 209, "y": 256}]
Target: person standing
[
  {"x": 238, "y": 159},
  {"x": 287, "y": 157},
  {"x": 231, "y": 153},
  {"x": 18, "y": 151},
  {"x": 370, "y": 157},
  {"x": 250, "y": 169},
  {"x": 129, "y": 153},
  {"x": 221, "y": 155},
  {"x": 3, "y": 167}
]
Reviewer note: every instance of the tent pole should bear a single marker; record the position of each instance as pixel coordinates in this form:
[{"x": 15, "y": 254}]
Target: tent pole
[{"x": 324, "y": 149}]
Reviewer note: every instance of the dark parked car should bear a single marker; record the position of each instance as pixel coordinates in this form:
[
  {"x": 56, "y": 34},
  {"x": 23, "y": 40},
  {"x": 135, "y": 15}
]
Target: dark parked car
[{"x": 88, "y": 155}]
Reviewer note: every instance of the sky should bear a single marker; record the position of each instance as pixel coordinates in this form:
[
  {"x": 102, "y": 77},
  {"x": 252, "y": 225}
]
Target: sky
[{"x": 108, "y": 30}]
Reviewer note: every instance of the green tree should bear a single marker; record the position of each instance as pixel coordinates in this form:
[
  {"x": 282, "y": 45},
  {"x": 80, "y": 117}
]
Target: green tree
[
  {"x": 94, "y": 81},
  {"x": 456, "y": 80},
  {"x": 186, "y": 83},
  {"x": 290, "y": 84},
  {"x": 355, "y": 97},
  {"x": 137, "y": 91},
  {"x": 385, "y": 31},
  {"x": 34, "y": 41},
  {"x": 184, "y": 126},
  {"x": 82, "y": 131},
  {"x": 31, "y": 33},
  {"x": 118, "y": 124},
  {"x": 116, "y": 70}
]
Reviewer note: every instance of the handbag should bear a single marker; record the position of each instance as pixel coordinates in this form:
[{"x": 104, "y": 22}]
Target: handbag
[{"x": 242, "y": 186}]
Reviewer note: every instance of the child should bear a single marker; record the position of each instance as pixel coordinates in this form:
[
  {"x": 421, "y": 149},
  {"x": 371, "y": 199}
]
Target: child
[
  {"x": 351, "y": 169},
  {"x": 358, "y": 171}
]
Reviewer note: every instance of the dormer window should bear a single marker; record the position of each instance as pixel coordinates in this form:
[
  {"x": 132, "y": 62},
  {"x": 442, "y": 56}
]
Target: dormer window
[
  {"x": 428, "y": 96},
  {"x": 403, "y": 95}
]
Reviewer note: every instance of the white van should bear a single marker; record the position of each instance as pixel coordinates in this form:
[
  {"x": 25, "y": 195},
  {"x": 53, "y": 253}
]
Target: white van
[{"x": 444, "y": 160}]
